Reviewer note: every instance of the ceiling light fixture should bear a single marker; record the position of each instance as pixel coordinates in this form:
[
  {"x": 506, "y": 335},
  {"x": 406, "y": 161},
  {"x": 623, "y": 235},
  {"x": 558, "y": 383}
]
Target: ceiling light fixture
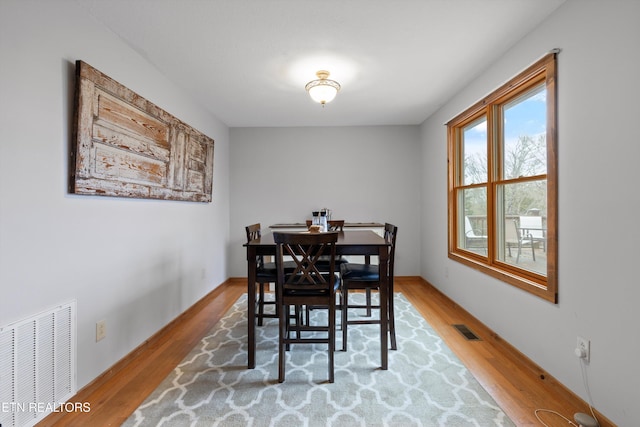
[{"x": 322, "y": 90}]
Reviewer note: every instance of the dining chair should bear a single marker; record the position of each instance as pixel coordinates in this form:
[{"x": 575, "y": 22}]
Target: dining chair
[
  {"x": 323, "y": 261},
  {"x": 266, "y": 273},
  {"x": 334, "y": 225},
  {"x": 366, "y": 277},
  {"x": 306, "y": 286}
]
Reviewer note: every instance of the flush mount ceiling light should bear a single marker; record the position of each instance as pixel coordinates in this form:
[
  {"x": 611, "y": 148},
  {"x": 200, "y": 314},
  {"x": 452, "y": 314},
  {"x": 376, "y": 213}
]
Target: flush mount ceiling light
[{"x": 322, "y": 90}]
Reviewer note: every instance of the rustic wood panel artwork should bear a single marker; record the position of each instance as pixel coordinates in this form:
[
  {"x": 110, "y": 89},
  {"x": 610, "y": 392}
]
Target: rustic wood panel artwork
[{"x": 125, "y": 146}]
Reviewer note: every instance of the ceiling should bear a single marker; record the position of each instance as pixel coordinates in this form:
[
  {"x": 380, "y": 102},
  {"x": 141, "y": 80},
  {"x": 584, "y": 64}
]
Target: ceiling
[{"x": 247, "y": 61}]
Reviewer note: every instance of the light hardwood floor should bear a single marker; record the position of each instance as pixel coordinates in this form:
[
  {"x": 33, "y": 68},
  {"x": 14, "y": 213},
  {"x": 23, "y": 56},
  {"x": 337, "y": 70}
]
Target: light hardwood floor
[{"x": 518, "y": 386}]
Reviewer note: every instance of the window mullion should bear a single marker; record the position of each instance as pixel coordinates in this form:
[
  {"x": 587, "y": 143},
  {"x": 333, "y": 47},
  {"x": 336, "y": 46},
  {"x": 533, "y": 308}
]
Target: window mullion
[{"x": 493, "y": 132}]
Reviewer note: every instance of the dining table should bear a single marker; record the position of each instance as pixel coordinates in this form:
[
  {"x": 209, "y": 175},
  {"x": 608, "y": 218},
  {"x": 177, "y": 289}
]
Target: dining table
[{"x": 350, "y": 242}]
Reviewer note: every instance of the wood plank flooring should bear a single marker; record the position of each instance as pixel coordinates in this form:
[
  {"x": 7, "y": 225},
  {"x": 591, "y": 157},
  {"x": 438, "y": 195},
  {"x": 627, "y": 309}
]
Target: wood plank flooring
[{"x": 517, "y": 385}]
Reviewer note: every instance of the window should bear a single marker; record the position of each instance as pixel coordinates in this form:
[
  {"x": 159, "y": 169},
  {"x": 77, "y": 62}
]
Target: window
[{"x": 503, "y": 182}]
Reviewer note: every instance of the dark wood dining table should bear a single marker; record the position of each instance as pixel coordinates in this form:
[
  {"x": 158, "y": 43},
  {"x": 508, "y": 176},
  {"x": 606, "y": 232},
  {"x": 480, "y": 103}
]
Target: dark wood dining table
[{"x": 350, "y": 242}]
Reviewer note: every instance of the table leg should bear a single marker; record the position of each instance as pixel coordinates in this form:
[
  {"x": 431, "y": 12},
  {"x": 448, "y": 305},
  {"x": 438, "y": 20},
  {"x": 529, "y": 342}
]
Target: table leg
[
  {"x": 384, "y": 306},
  {"x": 251, "y": 307}
]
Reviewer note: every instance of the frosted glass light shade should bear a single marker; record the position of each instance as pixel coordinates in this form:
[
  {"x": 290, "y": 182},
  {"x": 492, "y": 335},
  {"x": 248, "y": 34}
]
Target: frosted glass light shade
[
  {"x": 322, "y": 90},
  {"x": 323, "y": 93}
]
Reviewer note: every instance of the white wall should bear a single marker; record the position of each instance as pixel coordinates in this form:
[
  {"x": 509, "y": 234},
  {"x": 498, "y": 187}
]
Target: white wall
[
  {"x": 361, "y": 173},
  {"x": 139, "y": 263},
  {"x": 599, "y": 290},
  {"x": 135, "y": 263}
]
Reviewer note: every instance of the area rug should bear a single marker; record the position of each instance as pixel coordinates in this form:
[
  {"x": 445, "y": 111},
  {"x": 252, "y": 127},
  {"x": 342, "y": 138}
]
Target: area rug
[{"x": 425, "y": 385}]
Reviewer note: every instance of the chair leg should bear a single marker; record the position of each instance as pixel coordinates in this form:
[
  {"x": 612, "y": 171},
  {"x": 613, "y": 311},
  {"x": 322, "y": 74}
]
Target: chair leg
[
  {"x": 368, "y": 293},
  {"x": 298, "y": 313},
  {"x": 332, "y": 340},
  {"x": 392, "y": 322},
  {"x": 283, "y": 321},
  {"x": 276, "y": 304},
  {"x": 260, "y": 303},
  {"x": 296, "y": 323},
  {"x": 533, "y": 252},
  {"x": 345, "y": 304},
  {"x": 343, "y": 323}
]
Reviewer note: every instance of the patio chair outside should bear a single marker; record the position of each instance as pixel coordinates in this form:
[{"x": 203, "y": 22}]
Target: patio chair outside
[
  {"x": 472, "y": 240},
  {"x": 532, "y": 226}
]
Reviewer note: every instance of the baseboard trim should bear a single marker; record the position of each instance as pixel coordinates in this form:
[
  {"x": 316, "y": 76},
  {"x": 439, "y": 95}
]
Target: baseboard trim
[
  {"x": 83, "y": 395},
  {"x": 488, "y": 334},
  {"x": 533, "y": 369}
]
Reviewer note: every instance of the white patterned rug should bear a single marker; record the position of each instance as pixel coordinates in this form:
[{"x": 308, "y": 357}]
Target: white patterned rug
[{"x": 426, "y": 384}]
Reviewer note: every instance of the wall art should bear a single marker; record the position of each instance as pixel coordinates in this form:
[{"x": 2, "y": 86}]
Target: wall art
[{"x": 125, "y": 146}]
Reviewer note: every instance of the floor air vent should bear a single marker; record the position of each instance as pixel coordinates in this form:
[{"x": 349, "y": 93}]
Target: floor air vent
[
  {"x": 37, "y": 365},
  {"x": 467, "y": 333}
]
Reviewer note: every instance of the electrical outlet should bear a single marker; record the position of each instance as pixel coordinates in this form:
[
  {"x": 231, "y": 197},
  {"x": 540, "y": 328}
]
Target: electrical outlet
[
  {"x": 583, "y": 349},
  {"x": 101, "y": 330}
]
